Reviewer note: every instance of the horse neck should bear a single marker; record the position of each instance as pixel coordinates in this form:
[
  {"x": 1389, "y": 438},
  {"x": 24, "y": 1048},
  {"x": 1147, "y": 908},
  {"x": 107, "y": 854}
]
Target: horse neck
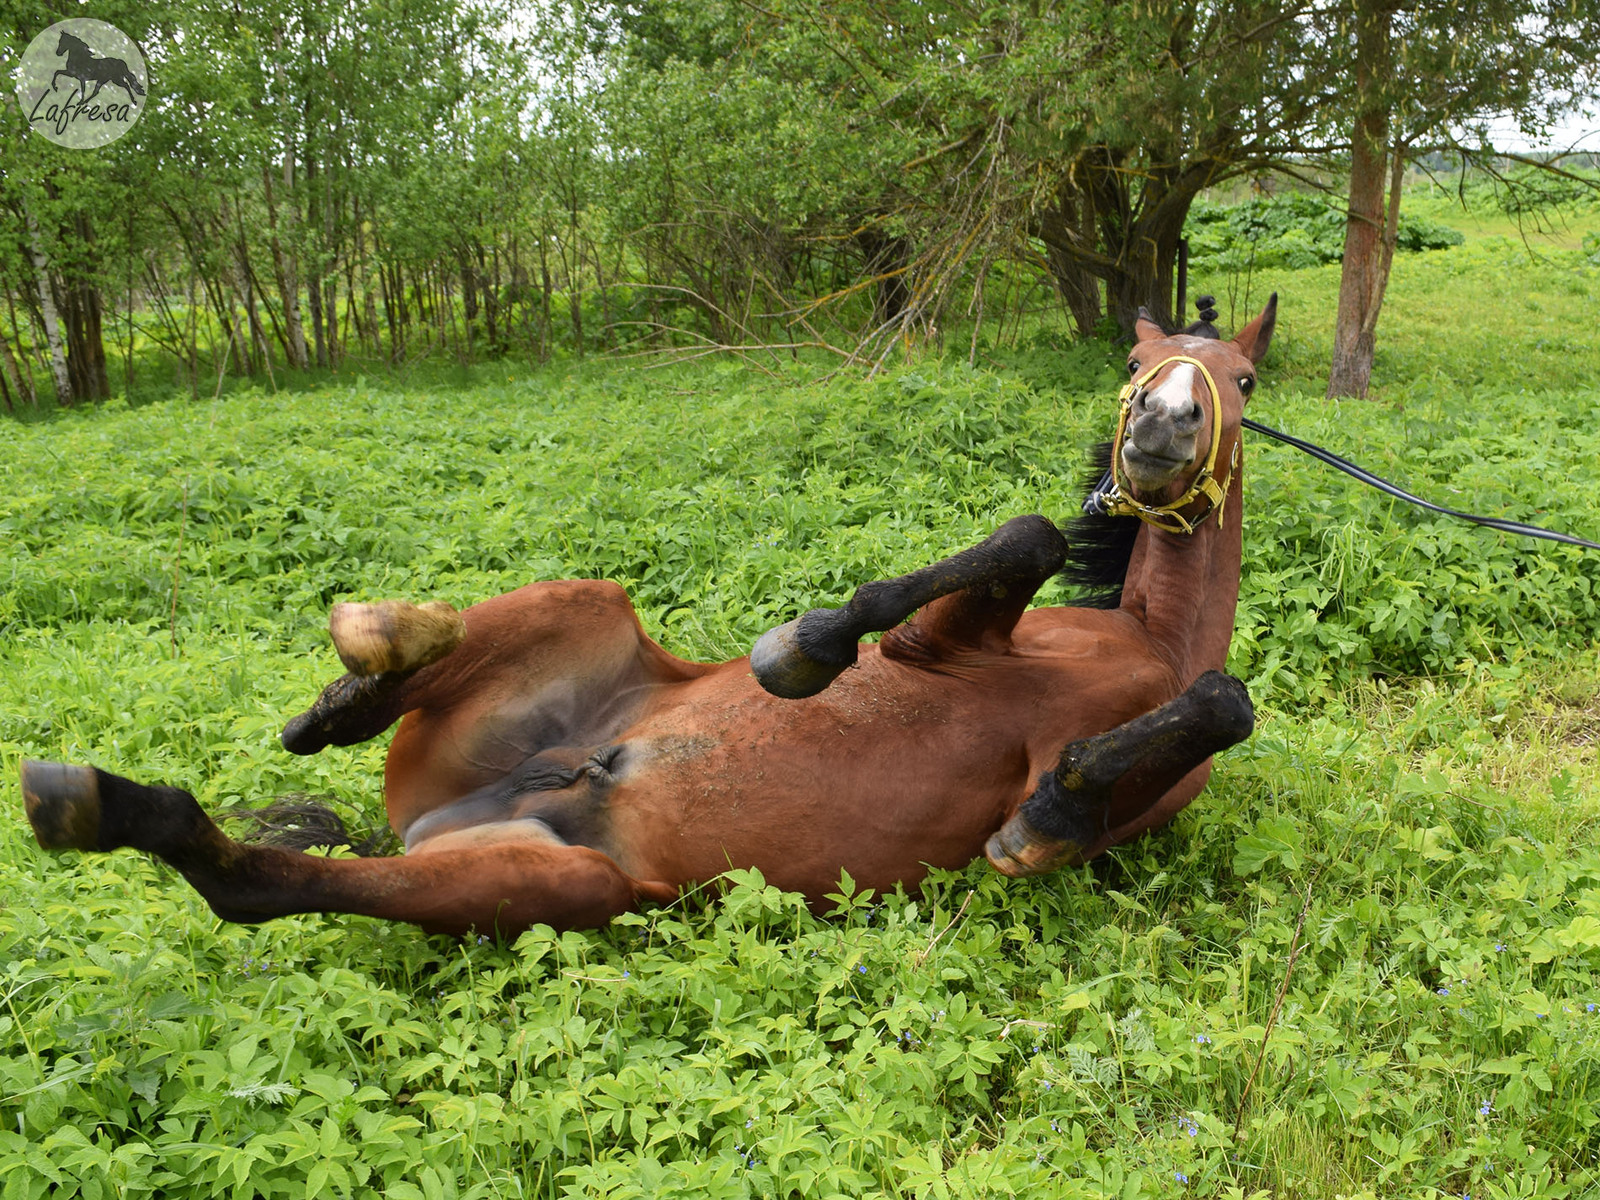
[{"x": 1183, "y": 588}]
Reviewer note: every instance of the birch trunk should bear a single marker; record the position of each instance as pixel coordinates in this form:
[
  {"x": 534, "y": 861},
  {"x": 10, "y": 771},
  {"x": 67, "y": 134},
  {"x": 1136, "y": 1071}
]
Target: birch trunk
[{"x": 47, "y": 310}]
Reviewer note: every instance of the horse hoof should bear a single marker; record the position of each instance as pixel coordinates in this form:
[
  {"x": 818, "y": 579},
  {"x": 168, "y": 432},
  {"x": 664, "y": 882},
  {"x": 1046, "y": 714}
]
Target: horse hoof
[
  {"x": 787, "y": 671},
  {"x": 63, "y": 805},
  {"x": 374, "y": 639},
  {"x": 305, "y": 735},
  {"x": 1019, "y": 850}
]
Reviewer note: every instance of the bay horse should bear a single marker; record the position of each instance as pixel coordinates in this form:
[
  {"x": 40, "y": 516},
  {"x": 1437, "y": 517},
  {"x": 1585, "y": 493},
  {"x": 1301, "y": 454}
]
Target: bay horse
[{"x": 554, "y": 764}]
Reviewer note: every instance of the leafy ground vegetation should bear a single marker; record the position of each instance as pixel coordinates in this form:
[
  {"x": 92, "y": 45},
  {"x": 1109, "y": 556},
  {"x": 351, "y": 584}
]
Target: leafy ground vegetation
[{"x": 1362, "y": 964}]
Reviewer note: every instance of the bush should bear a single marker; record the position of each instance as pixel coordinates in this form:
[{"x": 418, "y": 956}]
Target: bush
[{"x": 1290, "y": 229}]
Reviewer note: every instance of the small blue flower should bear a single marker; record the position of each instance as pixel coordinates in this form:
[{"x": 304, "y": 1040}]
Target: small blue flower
[
  {"x": 1201, "y": 1039},
  {"x": 627, "y": 974},
  {"x": 1055, "y": 1125},
  {"x": 1500, "y": 947},
  {"x": 1590, "y": 1007},
  {"x": 1485, "y": 1109},
  {"x": 1444, "y": 991},
  {"x": 750, "y": 1122},
  {"x": 1047, "y": 1085},
  {"x": 862, "y": 968},
  {"x": 1180, "y": 1177}
]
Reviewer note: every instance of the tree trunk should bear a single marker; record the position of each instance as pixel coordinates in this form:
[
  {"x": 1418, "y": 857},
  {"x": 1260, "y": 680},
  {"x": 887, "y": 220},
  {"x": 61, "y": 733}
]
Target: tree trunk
[
  {"x": 575, "y": 293},
  {"x": 546, "y": 293},
  {"x": 22, "y": 373},
  {"x": 47, "y": 313},
  {"x": 1092, "y": 232},
  {"x": 332, "y": 214},
  {"x": 258, "y": 336},
  {"x": 888, "y": 259},
  {"x": 81, "y": 317},
  {"x": 314, "y": 267},
  {"x": 286, "y": 269},
  {"x": 1369, "y": 232},
  {"x": 10, "y": 376},
  {"x": 469, "y": 292},
  {"x": 491, "y": 298}
]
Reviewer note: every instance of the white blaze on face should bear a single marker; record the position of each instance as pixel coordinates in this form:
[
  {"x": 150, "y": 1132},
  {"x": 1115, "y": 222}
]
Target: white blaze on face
[{"x": 1175, "y": 393}]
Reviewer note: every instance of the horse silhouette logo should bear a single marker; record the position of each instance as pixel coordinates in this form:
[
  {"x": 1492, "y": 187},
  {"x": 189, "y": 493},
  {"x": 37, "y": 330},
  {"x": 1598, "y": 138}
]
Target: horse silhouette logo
[{"x": 82, "y": 83}]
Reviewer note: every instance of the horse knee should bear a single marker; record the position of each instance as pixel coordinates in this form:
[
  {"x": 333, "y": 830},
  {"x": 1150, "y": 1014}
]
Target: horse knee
[{"x": 1034, "y": 547}]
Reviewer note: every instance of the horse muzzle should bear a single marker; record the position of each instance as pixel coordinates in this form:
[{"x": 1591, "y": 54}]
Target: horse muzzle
[{"x": 1155, "y": 453}]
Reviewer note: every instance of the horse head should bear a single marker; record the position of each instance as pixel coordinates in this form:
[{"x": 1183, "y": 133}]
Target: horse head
[
  {"x": 68, "y": 44},
  {"x": 1179, "y": 432}
]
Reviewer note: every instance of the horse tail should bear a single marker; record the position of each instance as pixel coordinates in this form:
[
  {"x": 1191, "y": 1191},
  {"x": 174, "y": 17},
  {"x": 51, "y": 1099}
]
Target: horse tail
[{"x": 300, "y": 822}]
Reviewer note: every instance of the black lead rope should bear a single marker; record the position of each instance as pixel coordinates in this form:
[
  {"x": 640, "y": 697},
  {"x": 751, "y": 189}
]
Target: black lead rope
[
  {"x": 1383, "y": 485},
  {"x": 1095, "y": 504}
]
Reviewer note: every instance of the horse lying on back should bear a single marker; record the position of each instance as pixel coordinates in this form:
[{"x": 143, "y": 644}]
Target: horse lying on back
[{"x": 553, "y": 764}]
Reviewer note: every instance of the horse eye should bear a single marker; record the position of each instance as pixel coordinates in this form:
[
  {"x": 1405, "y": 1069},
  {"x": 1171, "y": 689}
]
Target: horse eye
[
  {"x": 1247, "y": 385},
  {"x": 1133, "y": 367}
]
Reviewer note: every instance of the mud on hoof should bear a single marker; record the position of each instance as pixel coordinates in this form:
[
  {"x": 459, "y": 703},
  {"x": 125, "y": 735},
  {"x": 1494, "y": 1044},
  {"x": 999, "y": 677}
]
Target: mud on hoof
[
  {"x": 786, "y": 670},
  {"x": 63, "y": 805},
  {"x": 1019, "y": 850},
  {"x": 393, "y": 636}
]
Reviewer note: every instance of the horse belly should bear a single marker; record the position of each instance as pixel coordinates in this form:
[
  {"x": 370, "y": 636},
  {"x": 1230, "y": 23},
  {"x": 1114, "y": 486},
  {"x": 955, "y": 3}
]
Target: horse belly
[{"x": 893, "y": 769}]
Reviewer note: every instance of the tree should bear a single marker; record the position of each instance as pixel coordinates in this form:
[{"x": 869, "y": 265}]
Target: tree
[
  {"x": 1428, "y": 75},
  {"x": 1068, "y": 135}
]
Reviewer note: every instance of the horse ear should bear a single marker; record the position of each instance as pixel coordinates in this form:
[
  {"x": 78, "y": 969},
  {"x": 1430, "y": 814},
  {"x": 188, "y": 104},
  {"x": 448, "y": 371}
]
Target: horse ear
[
  {"x": 1145, "y": 328},
  {"x": 1255, "y": 337}
]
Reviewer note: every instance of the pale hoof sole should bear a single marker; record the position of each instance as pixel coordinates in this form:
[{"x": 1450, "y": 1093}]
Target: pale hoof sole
[
  {"x": 394, "y": 636},
  {"x": 63, "y": 805}
]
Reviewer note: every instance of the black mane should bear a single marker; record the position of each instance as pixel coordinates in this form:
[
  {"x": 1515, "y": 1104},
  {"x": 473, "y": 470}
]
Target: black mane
[{"x": 1098, "y": 547}]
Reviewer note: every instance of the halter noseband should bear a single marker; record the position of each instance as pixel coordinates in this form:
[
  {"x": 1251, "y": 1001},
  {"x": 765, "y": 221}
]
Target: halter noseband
[{"x": 1118, "y": 501}]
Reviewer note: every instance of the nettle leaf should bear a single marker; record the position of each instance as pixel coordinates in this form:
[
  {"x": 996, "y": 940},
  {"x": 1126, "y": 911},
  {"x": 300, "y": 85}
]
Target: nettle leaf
[{"x": 1275, "y": 839}]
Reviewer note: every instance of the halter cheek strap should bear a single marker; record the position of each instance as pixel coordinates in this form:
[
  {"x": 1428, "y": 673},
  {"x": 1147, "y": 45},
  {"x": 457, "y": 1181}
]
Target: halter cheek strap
[{"x": 1117, "y": 500}]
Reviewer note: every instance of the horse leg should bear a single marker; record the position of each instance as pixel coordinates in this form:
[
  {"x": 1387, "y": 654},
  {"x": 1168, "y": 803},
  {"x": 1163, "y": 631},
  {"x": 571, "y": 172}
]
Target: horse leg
[
  {"x": 382, "y": 646},
  {"x": 994, "y": 581},
  {"x": 1109, "y": 787},
  {"x": 494, "y": 879}
]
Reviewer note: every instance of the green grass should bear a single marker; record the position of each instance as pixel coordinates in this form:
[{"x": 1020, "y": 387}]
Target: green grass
[{"x": 1425, "y": 769}]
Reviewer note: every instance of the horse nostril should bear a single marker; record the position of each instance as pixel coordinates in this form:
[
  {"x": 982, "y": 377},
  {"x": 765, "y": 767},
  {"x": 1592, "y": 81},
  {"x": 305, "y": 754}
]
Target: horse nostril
[{"x": 1194, "y": 410}]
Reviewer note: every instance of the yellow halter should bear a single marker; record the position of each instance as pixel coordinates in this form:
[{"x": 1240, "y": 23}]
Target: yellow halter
[{"x": 1119, "y": 502}]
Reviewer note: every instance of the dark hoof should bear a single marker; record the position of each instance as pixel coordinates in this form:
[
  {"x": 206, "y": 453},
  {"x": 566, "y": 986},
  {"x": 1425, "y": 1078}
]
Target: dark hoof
[
  {"x": 1019, "y": 850},
  {"x": 351, "y": 709},
  {"x": 304, "y": 735},
  {"x": 63, "y": 805},
  {"x": 785, "y": 670}
]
